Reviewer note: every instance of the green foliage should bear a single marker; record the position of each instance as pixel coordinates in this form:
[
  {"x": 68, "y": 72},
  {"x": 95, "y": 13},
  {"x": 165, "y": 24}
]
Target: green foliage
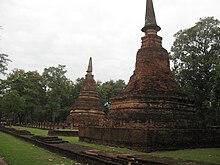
[
  {"x": 109, "y": 89},
  {"x": 59, "y": 90},
  {"x": 16, "y": 81},
  {"x": 12, "y": 105},
  {"x": 77, "y": 87},
  {"x": 4, "y": 63},
  {"x": 196, "y": 56},
  {"x": 29, "y": 86}
]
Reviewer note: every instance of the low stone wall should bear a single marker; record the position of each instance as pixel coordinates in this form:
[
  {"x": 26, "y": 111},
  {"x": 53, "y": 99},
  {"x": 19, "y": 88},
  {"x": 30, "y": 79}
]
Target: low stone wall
[
  {"x": 151, "y": 139},
  {"x": 48, "y": 125},
  {"x": 73, "y": 133}
]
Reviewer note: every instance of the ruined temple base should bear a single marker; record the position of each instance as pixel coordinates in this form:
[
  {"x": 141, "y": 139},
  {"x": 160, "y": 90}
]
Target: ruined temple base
[
  {"x": 84, "y": 118},
  {"x": 151, "y": 139}
]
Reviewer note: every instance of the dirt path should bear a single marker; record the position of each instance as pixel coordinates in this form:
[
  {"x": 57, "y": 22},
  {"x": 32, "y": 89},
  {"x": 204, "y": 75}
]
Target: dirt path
[{"x": 2, "y": 162}]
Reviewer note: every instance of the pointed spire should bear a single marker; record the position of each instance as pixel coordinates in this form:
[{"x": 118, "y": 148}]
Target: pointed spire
[
  {"x": 89, "y": 70},
  {"x": 150, "y": 20}
]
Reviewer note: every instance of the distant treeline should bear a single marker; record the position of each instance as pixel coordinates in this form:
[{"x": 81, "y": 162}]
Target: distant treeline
[{"x": 28, "y": 96}]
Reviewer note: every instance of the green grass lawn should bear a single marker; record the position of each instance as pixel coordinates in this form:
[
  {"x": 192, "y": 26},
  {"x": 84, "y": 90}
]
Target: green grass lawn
[
  {"x": 209, "y": 155},
  {"x": 34, "y": 131},
  {"x": 18, "y": 152}
]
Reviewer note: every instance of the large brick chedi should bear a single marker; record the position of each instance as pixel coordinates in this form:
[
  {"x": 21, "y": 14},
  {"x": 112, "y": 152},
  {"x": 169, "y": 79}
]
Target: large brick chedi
[
  {"x": 152, "y": 97},
  {"x": 87, "y": 109}
]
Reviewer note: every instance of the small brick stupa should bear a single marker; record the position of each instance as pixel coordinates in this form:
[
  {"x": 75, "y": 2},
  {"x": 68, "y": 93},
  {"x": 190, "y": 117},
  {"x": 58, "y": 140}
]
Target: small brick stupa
[
  {"x": 152, "y": 112},
  {"x": 87, "y": 110}
]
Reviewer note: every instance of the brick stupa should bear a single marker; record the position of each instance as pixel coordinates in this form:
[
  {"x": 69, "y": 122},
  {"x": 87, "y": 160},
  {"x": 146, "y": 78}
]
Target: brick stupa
[
  {"x": 87, "y": 109},
  {"x": 152, "y": 112},
  {"x": 152, "y": 97}
]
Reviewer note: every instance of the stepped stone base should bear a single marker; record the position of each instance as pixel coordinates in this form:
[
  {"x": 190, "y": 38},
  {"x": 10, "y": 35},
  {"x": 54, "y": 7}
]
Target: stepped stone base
[{"x": 151, "y": 139}]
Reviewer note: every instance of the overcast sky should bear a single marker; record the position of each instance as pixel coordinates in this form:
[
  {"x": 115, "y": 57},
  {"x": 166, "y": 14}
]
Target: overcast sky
[{"x": 38, "y": 34}]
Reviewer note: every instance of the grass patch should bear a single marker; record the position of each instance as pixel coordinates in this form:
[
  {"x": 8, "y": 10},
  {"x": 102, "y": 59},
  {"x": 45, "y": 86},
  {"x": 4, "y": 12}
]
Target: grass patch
[
  {"x": 18, "y": 152},
  {"x": 208, "y": 155},
  {"x": 34, "y": 131}
]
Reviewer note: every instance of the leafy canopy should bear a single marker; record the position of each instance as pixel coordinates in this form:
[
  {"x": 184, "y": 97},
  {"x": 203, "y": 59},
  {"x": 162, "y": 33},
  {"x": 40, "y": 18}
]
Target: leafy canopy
[{"x": 196, "y": 57}]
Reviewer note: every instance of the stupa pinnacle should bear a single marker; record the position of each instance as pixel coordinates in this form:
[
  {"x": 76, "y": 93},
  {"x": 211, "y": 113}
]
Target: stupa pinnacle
[
  {"x": 150, "y": 19},
  {"x": 89, "y": 70}
]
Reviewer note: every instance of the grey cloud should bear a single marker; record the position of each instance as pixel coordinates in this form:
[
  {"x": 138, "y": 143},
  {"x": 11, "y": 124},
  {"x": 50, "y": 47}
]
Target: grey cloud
[{"x": 42, "y": 33}]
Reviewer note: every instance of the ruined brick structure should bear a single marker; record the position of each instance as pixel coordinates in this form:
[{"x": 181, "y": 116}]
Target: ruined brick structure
[
  {"x": 152, "y": 112},
  {"x": 87, "y": 110},
  {"x": 152, "y": 97}
]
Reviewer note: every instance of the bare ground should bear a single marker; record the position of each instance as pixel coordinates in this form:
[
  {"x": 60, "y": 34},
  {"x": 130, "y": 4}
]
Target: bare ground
[{"x": 2, "y": 162}]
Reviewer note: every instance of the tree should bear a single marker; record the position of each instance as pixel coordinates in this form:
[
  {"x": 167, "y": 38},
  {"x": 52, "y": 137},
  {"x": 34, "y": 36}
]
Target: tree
[
  {"x": 77, "y": 87},
  {"x": 4, "y": 63},
  {"x": 109, "y": 89},
  {"x": 196, "y": 55},
  {"x": 16, "y": 80},
  {"x": 13, "y": 105},
  {"x": 58, "y": 90},
  {"x": 215, "y": 80},
  {"x": 29, "y": 86},
  {"x": 34, "y": 95},
  {"x": 1, "y": 109}
]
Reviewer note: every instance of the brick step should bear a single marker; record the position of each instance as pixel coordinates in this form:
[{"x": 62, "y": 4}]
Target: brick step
[
  {"x": 49, "y": 139},
  {"x": 56, "y": 142},
  {"x": 23, "y": 132},
  {"x": 45, "y": 137}
]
